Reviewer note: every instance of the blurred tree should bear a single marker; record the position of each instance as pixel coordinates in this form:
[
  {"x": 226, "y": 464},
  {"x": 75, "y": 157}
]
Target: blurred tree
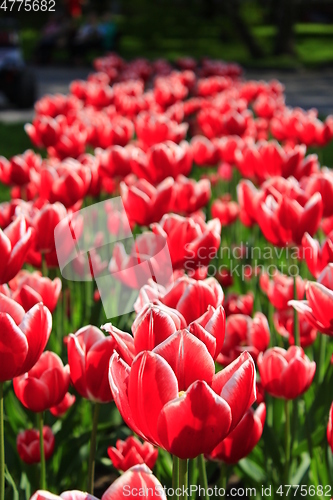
[
  {"x": 234, "y": 13},
  {"x": 285, "y": 11}
]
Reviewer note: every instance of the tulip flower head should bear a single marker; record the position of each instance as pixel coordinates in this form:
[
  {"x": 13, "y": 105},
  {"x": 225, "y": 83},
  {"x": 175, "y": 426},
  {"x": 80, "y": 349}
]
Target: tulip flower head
[
  {"x": 286, "y": 374},
  {"x": 28, "y": 446},
  {"x": 23, "y": 337},
  {"x": 45, "y": 385},
  {"x": 132, "y": 452},
  {"x": 243, "y": 438},
  {"x": 176, "y": 403}
]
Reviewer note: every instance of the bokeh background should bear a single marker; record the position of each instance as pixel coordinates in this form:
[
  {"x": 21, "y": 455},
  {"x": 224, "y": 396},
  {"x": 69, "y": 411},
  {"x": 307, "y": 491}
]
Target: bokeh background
[{"x": 291, "y": 40}]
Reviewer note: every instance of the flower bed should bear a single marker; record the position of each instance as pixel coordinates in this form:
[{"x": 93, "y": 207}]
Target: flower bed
[{"x": 203, "y": 229}]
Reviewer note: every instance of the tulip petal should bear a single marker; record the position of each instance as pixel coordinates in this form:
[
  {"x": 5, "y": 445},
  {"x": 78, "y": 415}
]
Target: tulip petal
[
  {"x": 13, "y": 348},
  {"x": 118, "y": 378},
  {"x": 11, "y": 307},
  {"x": 151, "y": 385},
  {"x": 188, "y": 357},
  {"x": 195, "y": 422},
  {"x": 36, "y": 325}
]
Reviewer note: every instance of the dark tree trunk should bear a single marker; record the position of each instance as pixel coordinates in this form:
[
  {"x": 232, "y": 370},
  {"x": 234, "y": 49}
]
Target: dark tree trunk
[
  {"x": 232, "y": 8},
  {"x": 286, "y": 14}
]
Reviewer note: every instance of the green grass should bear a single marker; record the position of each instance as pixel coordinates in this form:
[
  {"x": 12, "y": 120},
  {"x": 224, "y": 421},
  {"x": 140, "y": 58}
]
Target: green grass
[
  {"x": 13, "y": 139},
  {"x": 151, "y": 36}
]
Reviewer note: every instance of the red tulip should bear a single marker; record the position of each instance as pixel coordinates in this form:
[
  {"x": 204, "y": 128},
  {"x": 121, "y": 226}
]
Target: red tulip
[
  {"x": 243, "y": 438},
  {"x": 189, "y": 296},
  {"x": 190, "y": 196},
  {"x": 89, "y": 352},
  {"x": 265, "y": 105},
  {"x": 132, "y": 452},
  {"x": 153, "y": 129},
  {"x": 204, "y": 151},
  {"x": 115, "y": 160},
  {"x": 60, "y": 409},
  {"x": 162, "y": 160},
  {"x": 224, "y": 277},
  {"x": 317, "y": 257},
  {"x": 29, "y": 289},
  {"x": 15, "y": 241},
  {"x": 192, "y": 242},
  {"x": 154, "y": 324},
  {"x": 108, "y": 129},
  {"x": 244, "y": 333},
  {"x": 284, "y": 325},
  {"x": 20, "y": 168},
  {"x": 239, "y": 304},
  {"x": 186, "y": 63},
  {"x": 329, "y": 431},
  {"x": 271, "y": 208},
  {"x": 157, "y": 322},
  {"x": 285, "y": 374},
  {"x": 301, "y": 126},
  {"x": 144, "y": 203},
  {"x": 169, "y": 90},
  {"x": 45, "y": 385},
  {"x": 280, "y": 288},
  {"x": 43, "y": 132},
  {"x": 147, "y": 247},
  {"x": 326, "y": 276},
  {"x": 249, "y": 199},
  {"x": 27, "y": 443},
  {"x": 44, "y": 224},
  {"x": 267, "y": 159},
  {"x": 321, "y": 182},
  {"x": 24, "y": 337},
  {"x": 67, "y": 182},
  {"x": 225, "y": 210},
  {"x": 317, "y": 309},
  {"x": 57, "y": 104},
  {"x": 301, "y": 218},
  {"x": 179, "y": 403},
  {"x": 228, "y": 148}
]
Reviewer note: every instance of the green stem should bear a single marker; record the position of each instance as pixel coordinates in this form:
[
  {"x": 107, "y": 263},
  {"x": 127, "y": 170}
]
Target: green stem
[
  {"x": 203, "y": 475},
  {"x": 322, "y": 357},
  {"x": 175, "y": 473},
  {"x": 44, "y": 266},
  {"x": 91, "y": 466},
  {"x": 42, "y": 454},
  {"x": 2, "y": 447},
  {"x": 192, "y": 476},
  {"x": 183, "y": 478},
  {"x": 297, "y": 339},
  {"x": 223, "y": 480},
  {"x": 273, "y": 341},
  {"x": 287, "y": 441}
]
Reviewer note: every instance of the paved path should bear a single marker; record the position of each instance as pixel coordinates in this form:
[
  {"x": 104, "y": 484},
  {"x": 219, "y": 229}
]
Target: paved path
[{"x": 303, "y": 88}]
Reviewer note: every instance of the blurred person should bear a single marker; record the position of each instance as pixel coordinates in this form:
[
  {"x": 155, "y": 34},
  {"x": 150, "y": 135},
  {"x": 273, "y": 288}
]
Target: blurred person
[
  {"x": 88, "y": 37},
  {"x": 108, "y": 31}
]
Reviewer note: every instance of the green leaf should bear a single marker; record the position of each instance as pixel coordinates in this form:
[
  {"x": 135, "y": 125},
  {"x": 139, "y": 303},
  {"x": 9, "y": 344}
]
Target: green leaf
[
  {"x": 302, "y": 469},
  {"x": 252, "y": 470}
]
